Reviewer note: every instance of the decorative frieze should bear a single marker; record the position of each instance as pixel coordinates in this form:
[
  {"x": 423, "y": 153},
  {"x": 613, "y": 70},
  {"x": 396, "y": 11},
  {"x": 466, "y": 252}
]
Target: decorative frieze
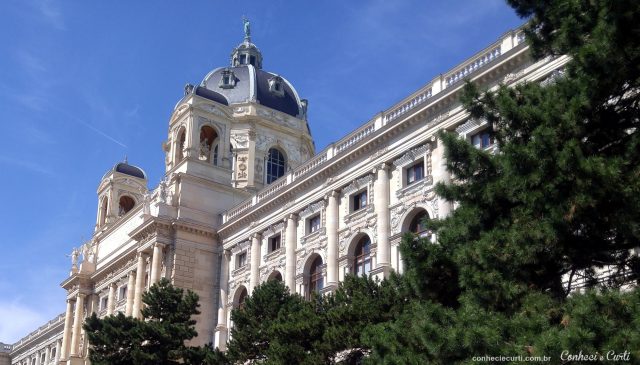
[
  {"x": 358, "y": 184},
  {"x": 312, "y": 209}
]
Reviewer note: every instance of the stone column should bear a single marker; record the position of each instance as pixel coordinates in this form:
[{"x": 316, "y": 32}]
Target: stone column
[
  {"x": 381, "y": 203},
  {"x": 156, "y": 263},
  {"x": 47, "y": 355},
  {"x": 77, "y": 325},
  {"x": 290, "y": 253},
  {"x": 220, "y": 340},
  {"x": 255, "y": 262},
  {"x": 66, "y": 336},
  {"x": 58, "y": 349},
  {"x": 130, "y": 293},
  {"x": 332, "y": 238},
  {"x": 111, "y": 299},
  {"x": 140, "y": 271},
  {"x": 440, "y": 174}
]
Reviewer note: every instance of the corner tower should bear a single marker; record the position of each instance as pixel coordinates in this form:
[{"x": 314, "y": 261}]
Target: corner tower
[{"x": 243, "y": 127}]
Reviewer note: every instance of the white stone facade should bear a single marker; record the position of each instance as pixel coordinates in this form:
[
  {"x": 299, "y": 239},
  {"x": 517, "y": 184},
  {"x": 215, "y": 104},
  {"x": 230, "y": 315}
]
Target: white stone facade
[{"x": 216, "y": 226}]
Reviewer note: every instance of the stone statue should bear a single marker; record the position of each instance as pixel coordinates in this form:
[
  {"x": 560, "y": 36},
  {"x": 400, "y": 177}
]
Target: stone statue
[
  {"x": 205, "y": 150},
  {"x": 86, "y": 249},
  {"x": 162, "y": 191},
  {"x": 247, "y": 28},
  {"x": 74, "y": 257}
]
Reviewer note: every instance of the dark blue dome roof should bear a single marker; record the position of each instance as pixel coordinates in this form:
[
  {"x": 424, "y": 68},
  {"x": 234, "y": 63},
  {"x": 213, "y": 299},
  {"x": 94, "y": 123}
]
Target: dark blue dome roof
[
  {"x": 125, "y": 168},
  {"x": 251, "y": 84}
]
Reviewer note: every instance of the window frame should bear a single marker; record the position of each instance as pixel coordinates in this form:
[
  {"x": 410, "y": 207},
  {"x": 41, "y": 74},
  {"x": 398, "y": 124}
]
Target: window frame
[
  {"x": 357, "y": 199},
  {"x": 280, "y": 165},
  {"x": 480, "y": 135},
  {"x": 274, "y": 242},
  {"x": 362, "y": 257},
  {"x": 412, "y": 169},
  {"x": 241, "y": 259},
  {"x": 310, "y": 223}
]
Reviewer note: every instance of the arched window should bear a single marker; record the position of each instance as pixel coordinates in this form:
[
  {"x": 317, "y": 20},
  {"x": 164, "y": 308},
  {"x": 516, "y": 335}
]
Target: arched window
[
  {"x": 275, "y": 165},
  {"x": 242, "y": 298},
  {"x": 276, "y": 276},
  {"x": 417, "y": 224},
  {"x": 103, "y": 211},
  {"x": 316, "y": 282},
  {"x": 207, "y": 136},
  {"x": 362, "y": 261},
  {"x": 125, "y": 205}
]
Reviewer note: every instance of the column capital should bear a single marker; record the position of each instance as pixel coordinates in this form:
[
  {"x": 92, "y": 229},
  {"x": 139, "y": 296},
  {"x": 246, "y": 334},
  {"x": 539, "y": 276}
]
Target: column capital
[
  {"x": 292, "y": 216},
  {"x": 332, "y": 194},
  {"x": 256, "y": 236},
  {"x": 226, "y": 253},
  {"x": 159, "y": 244},
  {"x": 382, "y": 166}
]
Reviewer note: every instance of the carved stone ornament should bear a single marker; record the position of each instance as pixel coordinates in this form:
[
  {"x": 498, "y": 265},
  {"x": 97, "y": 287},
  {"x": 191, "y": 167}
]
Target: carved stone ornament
[
  {"x": 276, "y": 117},
  {"x": 212, "y": 109},
  {"x": 413, "y": 155},
  {"x": 244, "y": 245},
  {"x": 424, "y": 197},
  {"x": 367, "y": 226},
  {"x": 313, "y": 208},
  {"x": 263, "y": 142},
  {"x": 470, "y": 125},
  {"x": 241, "y": 140},
  {"x": 358, "y": 184}
]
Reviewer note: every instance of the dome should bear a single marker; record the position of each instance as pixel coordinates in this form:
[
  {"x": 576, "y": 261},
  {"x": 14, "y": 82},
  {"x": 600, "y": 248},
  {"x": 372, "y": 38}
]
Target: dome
[
  {"x": 245, "y": 81},
  {"x": 248, "y": 83},
  {"x": 125, "y": 168}
]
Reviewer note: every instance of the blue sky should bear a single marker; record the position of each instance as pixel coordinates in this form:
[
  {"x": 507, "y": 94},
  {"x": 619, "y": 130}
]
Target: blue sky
[{"x": 84, "y": 83}]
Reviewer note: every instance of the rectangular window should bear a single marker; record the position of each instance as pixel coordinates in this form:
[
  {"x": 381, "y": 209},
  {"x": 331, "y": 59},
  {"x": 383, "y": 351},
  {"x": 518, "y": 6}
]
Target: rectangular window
[
  {"x": 359, "y": 200},
  {"x": 314, "y": 224},
  {"x": 122, "y": 292},
  {"x": 241, "y": 260},
  {"x": 415, "y": 173},
  {"x": 274, "y": 243},
  {"x": 252, "y": 60},
  {"x": 483, "y": 139},
  {"x": 243, "y": 59},
  {"x": 103, "y": 303}
]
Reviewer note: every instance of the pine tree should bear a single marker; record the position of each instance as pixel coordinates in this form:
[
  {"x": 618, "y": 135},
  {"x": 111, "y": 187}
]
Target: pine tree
[
  {"x": 158, "y": 338},
  {"x": 558, "y": 201}
]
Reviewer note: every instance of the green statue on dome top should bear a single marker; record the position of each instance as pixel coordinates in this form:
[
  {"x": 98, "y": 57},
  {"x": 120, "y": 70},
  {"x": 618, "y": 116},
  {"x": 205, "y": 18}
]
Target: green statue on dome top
[{"x": 247, "y": 28}]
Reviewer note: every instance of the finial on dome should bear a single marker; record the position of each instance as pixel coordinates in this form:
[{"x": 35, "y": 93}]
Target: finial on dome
[
  {"x": 247, "y": 29},
  {"x": 125, "y": 159}
]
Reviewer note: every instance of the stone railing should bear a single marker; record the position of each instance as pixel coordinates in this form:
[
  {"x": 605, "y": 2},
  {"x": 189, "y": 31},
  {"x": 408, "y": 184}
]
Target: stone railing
[
  {"x": 354, "y": 137},
  {"x": 271, "y": 189},
  {"x": 370, "y": 129},
  {"x": 311, "y": 164},
  {"x": 47, "y": 326},
  {"x": 415, "y": 101}
]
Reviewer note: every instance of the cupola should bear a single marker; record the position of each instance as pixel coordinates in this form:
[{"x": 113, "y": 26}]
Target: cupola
[{"x": 246, "y": 53}]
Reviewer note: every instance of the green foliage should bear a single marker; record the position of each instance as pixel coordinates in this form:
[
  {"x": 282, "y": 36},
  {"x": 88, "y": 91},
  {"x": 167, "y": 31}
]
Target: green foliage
[
  {"x": 275, "y": 327},
  {"x": 559, "y": 198},
  {"x": 159, "y": 338}
]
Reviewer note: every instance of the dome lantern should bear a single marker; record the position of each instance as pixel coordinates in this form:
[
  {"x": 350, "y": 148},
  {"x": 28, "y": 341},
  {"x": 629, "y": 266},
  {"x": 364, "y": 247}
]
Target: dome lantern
[{"x": 246, "y": 53}]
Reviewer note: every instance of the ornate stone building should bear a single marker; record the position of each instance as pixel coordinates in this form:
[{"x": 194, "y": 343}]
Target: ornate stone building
[{"x": 246, "y": 198}]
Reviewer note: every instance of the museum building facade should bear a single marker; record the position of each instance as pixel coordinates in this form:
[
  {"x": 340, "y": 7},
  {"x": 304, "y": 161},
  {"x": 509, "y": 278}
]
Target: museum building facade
[{"x": 246, "y": 198}]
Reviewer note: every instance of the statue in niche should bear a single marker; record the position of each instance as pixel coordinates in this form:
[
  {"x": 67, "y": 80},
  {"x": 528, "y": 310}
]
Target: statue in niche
[
  {"x": 205, "y": 150},
  {"x": 162, "y": 190}
]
